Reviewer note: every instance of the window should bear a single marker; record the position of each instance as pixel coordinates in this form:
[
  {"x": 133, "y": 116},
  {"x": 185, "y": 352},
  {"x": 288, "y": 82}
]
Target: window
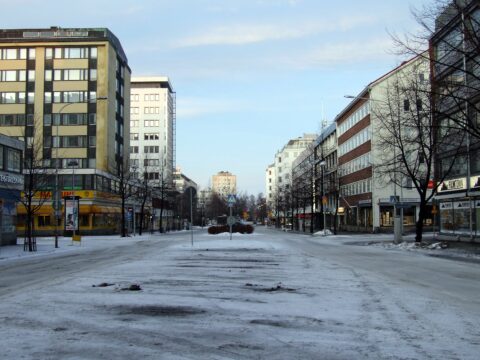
[
  {"x": 133, "y": 123},
  {"x": 31, "y": 54},
  {"x": 13, "y": 160},
  {"x": 13, "y": 97},
  {"x": 93, "y": 74},
  {"x": 48, "y": 75},
  {"x": 151, "y": 123},
  {"x": 151, "y": 162},
  {"x": 12, "y": 120},
  {"x": 13, "y": 54},
  {"x": 93, "y": 53},
  {"x": 151, "y": 149},
  {"x": 151, "y": 136},
  {"x": 133, "y": 136},
  {"x": 133, "y": 149},
  {"x": 92, "y": 119},
  {"x": 92, "y": 141},
  {"x": 31, "y": 75},
  {"x": 48, "y": 53},
  {"x": 43, "y": 220},
  {"x": 406, "y": 105},
  {"x": 419, "y": 104}
]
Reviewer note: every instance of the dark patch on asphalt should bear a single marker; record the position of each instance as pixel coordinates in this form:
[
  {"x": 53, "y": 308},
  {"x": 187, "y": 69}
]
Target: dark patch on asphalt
[
  {"x": 239, "y": 346},
  {"x": 158, "y": 310},
  {"x": 274, "y": 323},
  {"x": 103, "y": 284},
  {"x": 133, "y": 287},
  {"x": 279, "y": 287},
  {"x": 296, "y": 322},
  {"x": 60, "y": 329}
]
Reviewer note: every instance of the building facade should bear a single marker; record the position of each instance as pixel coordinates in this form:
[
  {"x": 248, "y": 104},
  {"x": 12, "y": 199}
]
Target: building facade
[
  {"x": 66, "y": 93},
  {"x": 269, "y": 181},
  {"x": 279, "y": 175},
  {"x": 11, "y": 185},
  {"x": 371, "y": 199},
  {"x": 224, "y": 183},
  {"x": 455, "y": 77},
  {"x": 152, "y": 141}
]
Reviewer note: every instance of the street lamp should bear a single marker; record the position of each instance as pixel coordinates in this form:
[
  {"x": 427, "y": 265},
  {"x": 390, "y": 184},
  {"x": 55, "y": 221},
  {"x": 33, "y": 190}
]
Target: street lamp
[{"x": 323, "y": 164}]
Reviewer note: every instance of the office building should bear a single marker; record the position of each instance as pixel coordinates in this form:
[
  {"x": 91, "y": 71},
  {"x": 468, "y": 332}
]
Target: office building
[{"x": 66, "y": 93}]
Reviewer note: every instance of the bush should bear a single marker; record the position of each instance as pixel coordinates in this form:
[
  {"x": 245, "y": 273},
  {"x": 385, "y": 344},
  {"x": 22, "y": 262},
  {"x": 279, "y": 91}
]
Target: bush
[{"x": 237, "y": 228}]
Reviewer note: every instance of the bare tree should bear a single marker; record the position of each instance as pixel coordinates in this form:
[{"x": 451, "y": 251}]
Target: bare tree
[
  {"x": 127, "y": 189},
  {"x": 36, "y": 182},
  {"x": 451, "y": 29}
]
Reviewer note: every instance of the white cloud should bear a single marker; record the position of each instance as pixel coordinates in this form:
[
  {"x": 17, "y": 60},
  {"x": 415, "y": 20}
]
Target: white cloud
[
  {"x": 192, "y": 107},
  {"x": 341, "y": 53},
  {"x": 241, "y": 34}
]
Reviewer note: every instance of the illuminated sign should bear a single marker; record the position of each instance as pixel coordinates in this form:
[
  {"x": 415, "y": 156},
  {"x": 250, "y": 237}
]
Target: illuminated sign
[{"x": 453, "y": 184}]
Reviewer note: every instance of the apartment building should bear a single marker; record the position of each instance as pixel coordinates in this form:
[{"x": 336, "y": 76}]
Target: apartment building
[
  {"x": 224, "y": 183},
  {"x": 314, "y": 182},
  {"x": 152, "y": 141},
  {"x": 66, "y": 93},
  {"x": 280, "y": 172},
  {"x": 11, "y": 185},
  {"x": 326, "y": 181},
  {"x": 370, "y": 199},
  {"x": 455, "y": 76},
  {"x": 152, "y": 127}
]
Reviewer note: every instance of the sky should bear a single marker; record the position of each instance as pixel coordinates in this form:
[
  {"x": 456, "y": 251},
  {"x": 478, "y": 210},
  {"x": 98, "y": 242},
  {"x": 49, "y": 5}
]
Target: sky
[{"x": 249, "y": 75}]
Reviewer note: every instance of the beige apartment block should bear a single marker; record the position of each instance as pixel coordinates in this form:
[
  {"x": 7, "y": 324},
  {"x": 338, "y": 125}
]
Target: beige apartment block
[
  {"x": 68, "y": 90},
  {"x": 224, "y": 183}
]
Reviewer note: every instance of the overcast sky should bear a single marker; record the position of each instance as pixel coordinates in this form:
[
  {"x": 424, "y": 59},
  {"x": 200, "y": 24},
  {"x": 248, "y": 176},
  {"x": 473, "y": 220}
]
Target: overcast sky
[{"x": 249, "y": 74}]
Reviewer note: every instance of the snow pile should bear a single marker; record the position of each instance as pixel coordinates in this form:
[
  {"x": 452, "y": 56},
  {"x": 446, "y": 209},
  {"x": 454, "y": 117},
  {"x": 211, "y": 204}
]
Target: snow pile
[{"x": 323, "y": 233}]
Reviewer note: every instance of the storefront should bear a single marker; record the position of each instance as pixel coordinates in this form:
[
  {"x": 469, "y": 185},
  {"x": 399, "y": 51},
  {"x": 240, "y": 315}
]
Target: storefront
[
  {"x": 11, "y": 183},
  {"x": 459, "y": 208}
]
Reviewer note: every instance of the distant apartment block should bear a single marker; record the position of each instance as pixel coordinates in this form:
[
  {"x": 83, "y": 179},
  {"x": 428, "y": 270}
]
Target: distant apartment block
[
  {"x": 281, "y": 169},
  {"x": 224, "y": 183}
]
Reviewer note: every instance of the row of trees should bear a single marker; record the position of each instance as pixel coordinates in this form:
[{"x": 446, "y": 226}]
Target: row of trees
[
  {"x": 134, "y": 185},
  {"x": 248, "y": 207}
]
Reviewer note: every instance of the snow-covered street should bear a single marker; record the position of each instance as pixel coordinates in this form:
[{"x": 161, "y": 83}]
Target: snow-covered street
[{"x": 269, "y": 295}]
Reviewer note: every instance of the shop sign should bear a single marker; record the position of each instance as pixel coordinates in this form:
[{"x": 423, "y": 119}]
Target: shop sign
[
  {"x": 462, "y": 205},
  {"x": 11, "y": 179},
  {"x": 453, "y": 184},
  {"x": 446, "y": 206},
  {"x": 475, "y": 182}
]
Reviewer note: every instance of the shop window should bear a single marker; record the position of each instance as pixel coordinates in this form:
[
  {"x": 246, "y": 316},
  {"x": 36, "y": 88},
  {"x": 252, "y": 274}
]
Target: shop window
[
  {"x": 43, "y": 220},
  {"x": 84, "y": 220}
]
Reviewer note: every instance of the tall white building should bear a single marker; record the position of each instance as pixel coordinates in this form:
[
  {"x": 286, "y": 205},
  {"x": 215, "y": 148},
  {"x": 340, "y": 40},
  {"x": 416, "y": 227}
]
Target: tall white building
[
  {"x": 152, "y": 127},
  {"x": 279, "y": 175}
]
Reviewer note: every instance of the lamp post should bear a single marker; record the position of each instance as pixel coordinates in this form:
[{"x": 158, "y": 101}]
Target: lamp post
[{"x": 322, "y": 165}]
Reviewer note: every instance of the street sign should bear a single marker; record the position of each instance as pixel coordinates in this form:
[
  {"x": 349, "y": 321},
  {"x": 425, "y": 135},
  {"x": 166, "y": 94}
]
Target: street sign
[
  {"x": 231, "y": 220},
  {"x": 231, "y": 200}
]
